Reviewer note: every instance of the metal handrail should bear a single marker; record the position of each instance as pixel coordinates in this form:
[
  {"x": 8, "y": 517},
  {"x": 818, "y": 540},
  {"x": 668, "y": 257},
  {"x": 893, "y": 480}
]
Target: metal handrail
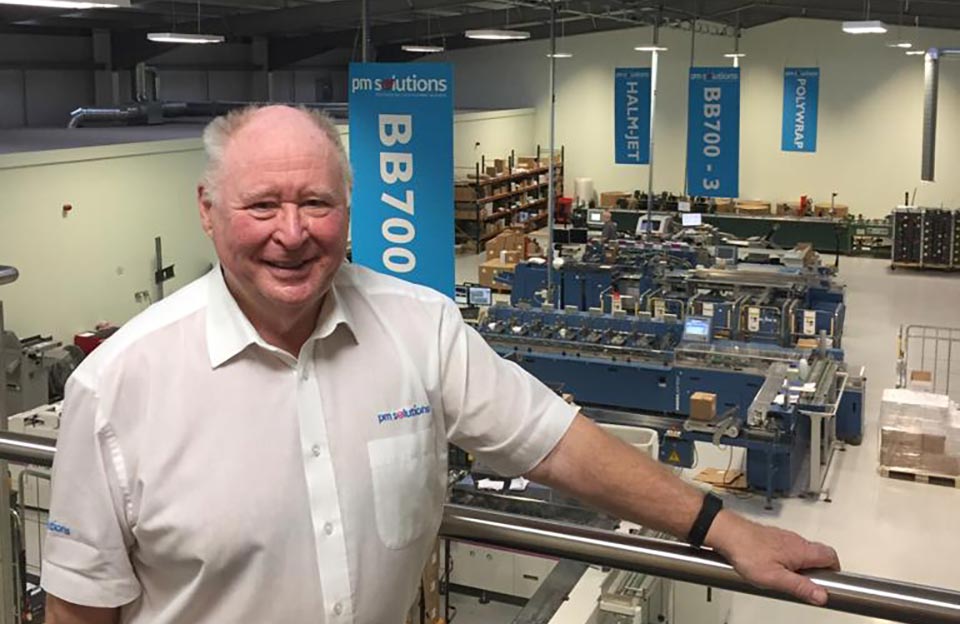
[
  {"x": 850, "y": 593},
  {"x": 8, "y": 274}
]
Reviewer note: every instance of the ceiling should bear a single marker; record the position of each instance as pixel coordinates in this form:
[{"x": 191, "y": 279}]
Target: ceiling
[{"x": 298, "y": 29}]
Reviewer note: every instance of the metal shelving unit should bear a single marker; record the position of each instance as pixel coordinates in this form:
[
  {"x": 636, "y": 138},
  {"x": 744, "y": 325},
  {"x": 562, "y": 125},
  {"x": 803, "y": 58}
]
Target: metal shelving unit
[{"x": 526, "y": 191}]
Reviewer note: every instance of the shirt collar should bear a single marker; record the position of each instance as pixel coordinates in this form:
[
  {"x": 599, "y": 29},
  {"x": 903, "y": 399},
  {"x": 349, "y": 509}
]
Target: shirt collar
[{"x": 229, "y": 331}]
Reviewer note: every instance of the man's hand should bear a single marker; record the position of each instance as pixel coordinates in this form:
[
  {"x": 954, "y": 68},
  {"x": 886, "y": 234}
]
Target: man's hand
[{"x": 769, "y": 557}]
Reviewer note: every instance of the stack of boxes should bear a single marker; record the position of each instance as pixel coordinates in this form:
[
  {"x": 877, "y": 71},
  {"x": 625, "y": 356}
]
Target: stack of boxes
[
  {"x": 919, "y": 433},
  {"x": 609, "y": 199},
  {"x": 504, "y": 251}
]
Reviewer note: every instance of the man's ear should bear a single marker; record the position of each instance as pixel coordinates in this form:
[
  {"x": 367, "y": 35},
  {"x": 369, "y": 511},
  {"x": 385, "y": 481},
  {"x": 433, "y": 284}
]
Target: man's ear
[{"x": 206, "y": 209}]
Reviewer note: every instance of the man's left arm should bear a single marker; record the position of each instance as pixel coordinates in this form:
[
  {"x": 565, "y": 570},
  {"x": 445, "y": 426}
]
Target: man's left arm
[{"x": 601, "y": 470}]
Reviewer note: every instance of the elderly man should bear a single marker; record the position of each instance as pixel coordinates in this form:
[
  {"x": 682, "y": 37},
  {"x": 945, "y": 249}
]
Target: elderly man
[{"x": 269, "y": 443}]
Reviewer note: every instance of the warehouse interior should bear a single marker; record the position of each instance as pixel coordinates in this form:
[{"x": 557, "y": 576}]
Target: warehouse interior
[{"x": 788, "y": 347}]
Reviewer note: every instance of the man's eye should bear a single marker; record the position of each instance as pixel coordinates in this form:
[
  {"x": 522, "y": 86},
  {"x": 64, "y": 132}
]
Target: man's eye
[
  {"x": 315, "y": 203},
  {"x": 263, "y": 206}
]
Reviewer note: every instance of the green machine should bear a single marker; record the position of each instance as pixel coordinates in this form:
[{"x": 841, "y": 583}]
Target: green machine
[{"x": 827, "y": 235}]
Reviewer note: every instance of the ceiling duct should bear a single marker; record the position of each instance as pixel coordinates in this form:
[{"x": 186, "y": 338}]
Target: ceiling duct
[{"x": 931, "y": 89}]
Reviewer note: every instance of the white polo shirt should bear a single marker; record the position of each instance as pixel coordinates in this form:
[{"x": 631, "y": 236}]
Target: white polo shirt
[{"x": 203, "y": 475}]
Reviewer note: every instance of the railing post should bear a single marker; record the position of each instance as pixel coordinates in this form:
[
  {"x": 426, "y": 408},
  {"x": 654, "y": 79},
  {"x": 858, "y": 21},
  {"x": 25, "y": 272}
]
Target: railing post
[{"x": 8, "y": 601}]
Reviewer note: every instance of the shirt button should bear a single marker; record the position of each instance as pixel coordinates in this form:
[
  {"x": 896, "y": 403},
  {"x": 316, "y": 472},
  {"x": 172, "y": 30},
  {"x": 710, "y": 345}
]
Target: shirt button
[
  {"x": 316, "y": 450},
  {"x": 337, "y": 609},
  {"x": 328, "y": 528}
]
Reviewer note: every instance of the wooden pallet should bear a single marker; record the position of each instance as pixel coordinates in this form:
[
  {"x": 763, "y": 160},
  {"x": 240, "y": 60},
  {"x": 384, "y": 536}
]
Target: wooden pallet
[{"x": 920, "y": 476}]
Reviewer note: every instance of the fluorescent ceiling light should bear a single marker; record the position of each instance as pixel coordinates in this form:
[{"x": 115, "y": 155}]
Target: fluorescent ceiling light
[
  {"x": 650, "y": 48},
  {"x": 735, "y": 55},
  {"x": 421, "y": 48},
  {"x": 561, "y": 55},
  {"x": 916, "y": 52},
  {"x": 493, "y": 34},
  {"x": 170, "y": 37},
  {"x": 904, "y": 45},
  {"x": 864, "y": 27},
  {"x": 71, "y": 4}
]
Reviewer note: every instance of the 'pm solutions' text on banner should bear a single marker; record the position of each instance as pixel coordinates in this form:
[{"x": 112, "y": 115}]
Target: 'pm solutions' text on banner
[{"x": 401, "y": 150}]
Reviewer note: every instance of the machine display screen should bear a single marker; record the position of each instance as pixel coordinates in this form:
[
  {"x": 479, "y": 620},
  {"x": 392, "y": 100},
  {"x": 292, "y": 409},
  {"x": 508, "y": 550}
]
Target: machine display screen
[
  {"x": 726, "y": 253},
  {"x": 460, "y": 295},
  {"x": 595, "y": 216},
  {"x": 697, "y": 329},
  {"x": 692, "y": 219},
  {"x": 480, "y": 296}
]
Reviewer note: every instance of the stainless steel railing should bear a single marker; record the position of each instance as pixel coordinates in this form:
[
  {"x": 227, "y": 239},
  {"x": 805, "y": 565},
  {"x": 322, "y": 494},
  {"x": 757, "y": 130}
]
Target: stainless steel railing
[{"x": 850, "y": 593}]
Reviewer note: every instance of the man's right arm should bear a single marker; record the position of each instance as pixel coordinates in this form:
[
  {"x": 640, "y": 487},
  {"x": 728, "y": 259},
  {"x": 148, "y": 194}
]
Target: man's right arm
[{"x": 63, "y": 612}]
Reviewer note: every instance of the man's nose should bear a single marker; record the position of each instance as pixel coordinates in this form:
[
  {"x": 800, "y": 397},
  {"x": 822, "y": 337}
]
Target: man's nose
[{"x": 291, "y": 228}]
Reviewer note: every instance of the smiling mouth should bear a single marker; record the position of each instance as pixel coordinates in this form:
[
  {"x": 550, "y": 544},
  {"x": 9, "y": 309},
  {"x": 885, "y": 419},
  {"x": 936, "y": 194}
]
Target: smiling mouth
[{"x": 288, "y": 265}]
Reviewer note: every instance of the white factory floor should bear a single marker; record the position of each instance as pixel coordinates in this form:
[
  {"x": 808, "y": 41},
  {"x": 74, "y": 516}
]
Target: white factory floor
[{"x": 881, "y": 527}]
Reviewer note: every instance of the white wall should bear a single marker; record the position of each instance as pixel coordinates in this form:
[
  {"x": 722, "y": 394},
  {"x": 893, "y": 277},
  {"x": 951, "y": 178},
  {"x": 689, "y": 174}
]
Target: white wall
[
  {"x": 84, "y": 268},
  {"x": 870, "y": 119},
  {"x": 493, "y": 135},
  {"x": 78, "y": 270}
]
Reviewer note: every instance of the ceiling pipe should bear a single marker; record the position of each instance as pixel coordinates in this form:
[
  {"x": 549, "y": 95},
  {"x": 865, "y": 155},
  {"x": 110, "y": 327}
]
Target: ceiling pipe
[{"x": 151, "y": 113}]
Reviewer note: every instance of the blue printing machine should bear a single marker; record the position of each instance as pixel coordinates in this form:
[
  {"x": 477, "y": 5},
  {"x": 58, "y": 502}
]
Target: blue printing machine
[
  {"x": 778, "y": 321},
  {"x": 576, "y": 351}
]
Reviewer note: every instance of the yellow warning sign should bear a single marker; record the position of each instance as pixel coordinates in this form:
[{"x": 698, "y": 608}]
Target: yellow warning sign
[{"x": 674, "y": 457}]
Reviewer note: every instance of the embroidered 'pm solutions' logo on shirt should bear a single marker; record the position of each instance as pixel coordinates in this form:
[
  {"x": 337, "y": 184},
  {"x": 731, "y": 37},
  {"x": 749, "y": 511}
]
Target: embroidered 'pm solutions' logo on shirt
[
  {"x": 56, "y": 527},
  {"x": 402, "y": 414}
]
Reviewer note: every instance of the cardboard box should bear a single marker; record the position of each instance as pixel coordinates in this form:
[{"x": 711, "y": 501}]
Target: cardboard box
[
  {"x": 752, "y": 207},
  {"x": 500, "y": 165},
  {"x": 528, "y": 162},
  {"x": 703, "y": 406},
  {"x": 609, "y": 199},
  {"x": 841, "y": 211},
  {"x": 508, "y": 240},
  {"x": 531, "y": 248},
  {"x": 921, "y": 381},
  {"x": 726, "y": 207},
  {"x": 940, "y": 464},
  {"x": 510, "y": 257},
  {"x": 900, "y": 441},
  {"x": 490, "y": 269},
  {"x": 890, "y": 458},
  {"x": 933, "y": 444},
  {"x": 464, "y": 192}
]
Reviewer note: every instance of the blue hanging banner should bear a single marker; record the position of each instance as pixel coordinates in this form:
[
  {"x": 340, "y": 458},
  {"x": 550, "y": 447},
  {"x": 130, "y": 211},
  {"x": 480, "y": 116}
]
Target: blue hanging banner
[
  {"x": 632, "y": 115},
  {"x": 401, "y": 150},
  {"x": 801, "y": 95},
  {"x": 713, "y": 132}
]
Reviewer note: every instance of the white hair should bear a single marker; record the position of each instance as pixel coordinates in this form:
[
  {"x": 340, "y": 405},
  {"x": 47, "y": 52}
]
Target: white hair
[{"x": 219, "y": 132}]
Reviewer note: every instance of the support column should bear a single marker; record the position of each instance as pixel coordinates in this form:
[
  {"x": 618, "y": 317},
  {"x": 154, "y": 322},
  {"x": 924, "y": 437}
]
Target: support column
[{"x": 106, "y": 88}]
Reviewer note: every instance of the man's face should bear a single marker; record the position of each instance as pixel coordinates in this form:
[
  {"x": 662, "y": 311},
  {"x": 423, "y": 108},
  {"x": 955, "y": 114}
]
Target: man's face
[{"x": 279, "y": 219}]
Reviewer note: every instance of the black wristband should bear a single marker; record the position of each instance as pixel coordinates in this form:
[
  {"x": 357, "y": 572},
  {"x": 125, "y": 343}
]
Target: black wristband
[{"x": 701, "y": 526}]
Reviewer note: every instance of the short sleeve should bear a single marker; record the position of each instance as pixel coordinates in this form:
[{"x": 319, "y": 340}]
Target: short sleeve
[
  {"x": 86, "y": 552},
  {"x": 492, "y": 407}
]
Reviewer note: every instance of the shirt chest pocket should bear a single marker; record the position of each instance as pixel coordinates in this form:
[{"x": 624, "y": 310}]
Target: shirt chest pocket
[{"x": 407, "y": 491}]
